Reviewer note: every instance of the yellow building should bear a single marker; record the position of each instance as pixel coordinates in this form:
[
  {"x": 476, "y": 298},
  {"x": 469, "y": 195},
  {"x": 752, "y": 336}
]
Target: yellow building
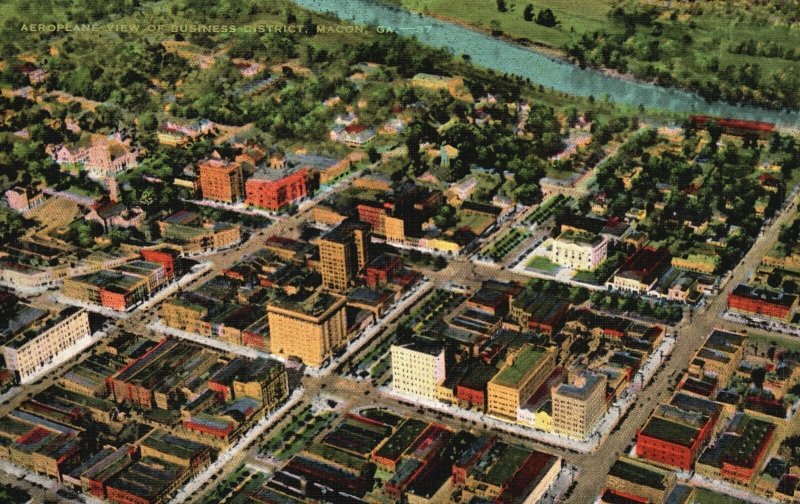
[
  {"x": 343, "y": 252},
  {"x": 36, "y": 344},
  {"x": 523, "y": 371},
  {"x": 630, "y": 476},
  {"x": 580, "y": 251},
  {"x": 182, "y": 314},
  {"x": 579, "y": 405},
  {"x": 441, "y": 245},
  {"x": 543, "y": 419},
  {"x": 324, "y": 214},
  {"x": 176, "y": 450},
  {"x": 395, "y": 229},
  {"x": 700, "y": 263},
  {"x": 719, "y": 356},
  {"x": 310, "y": 330},
  {"x": 418, "y": 368},
  {"x": 192, "y": 234}
]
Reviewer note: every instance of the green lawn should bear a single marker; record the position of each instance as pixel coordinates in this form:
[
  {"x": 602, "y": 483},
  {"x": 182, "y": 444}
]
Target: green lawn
[
  {"x": 704, "y": 496},
  {"x": 299, "y": 438},
  {"x": 227, "y": 487},
  {"x": 542, "y": 263},
  {"x": 782, "y": 341}
]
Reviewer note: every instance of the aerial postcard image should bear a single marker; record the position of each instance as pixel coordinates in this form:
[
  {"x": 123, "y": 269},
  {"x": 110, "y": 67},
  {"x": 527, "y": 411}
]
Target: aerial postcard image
[{"x": 400, "y": 251}]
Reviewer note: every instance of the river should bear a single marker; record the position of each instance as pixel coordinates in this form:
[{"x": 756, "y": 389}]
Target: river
[{"x": 508, "y": 57}]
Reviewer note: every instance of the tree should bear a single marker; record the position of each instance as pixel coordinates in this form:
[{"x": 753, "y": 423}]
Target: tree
[
  {"x": 715, "y": 131},
  {"x": 445, "y": 217},
  {"x": 758, "y": 375},
  {"x": 501, "y": 6},
  {"x": 373, "y": 154},
  {"x": 774, "y": 279},
  {"x": 527, "y": 14},
  {"x": 546, "y": 18}
]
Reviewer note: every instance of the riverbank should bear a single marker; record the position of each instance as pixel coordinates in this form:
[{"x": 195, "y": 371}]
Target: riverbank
[
  {"x": 681, "y": 61},
  {"x": 505, "y": 56}
]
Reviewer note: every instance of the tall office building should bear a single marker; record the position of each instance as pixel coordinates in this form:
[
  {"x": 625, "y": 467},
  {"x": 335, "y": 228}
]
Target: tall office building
[
  {"x": 524, "y": 370},
  {"x": 418, "y": 368},
  {"x": 343, "y": 252},
  {"x": 221, "y": 180},
  {"x": 310, "y": 329},
  {"x": 579, "y": 404}
]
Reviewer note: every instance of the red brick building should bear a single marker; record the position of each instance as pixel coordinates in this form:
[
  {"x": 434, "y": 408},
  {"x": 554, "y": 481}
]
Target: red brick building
[
  {"x": 468, "y": 459},
  {"x": 762, "y": 302},
  {"x": 674, "y": 437},
  {"x": 472, "y": 388},
  {"x": 382, "y": 269},
  {"x": 275, "y": 189},
  {"x": 166, "y": 256},
  {"x": 117, "y": 299},
  {"x": 221, "y": 180}
]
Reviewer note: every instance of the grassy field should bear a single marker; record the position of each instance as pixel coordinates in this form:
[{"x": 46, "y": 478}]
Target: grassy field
[
  {"x": 543, "y": 264},
  {"x": 477, "y": 223},
  {"x": 581, "y": 16}
]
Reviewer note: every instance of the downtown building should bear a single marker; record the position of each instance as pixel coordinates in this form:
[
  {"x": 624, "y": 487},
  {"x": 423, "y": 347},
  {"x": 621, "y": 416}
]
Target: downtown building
[
  {"x": 580, "y": 251},
  {"x": 343, "y": 253},
  {"x": 523, "y": 371},
  {"x": 221, "y": 180},
  {"x": 579, "y": 405},
  {"x": 309, "y": 329},
  {"x": 33, "y": 338},
  {"x": 118, "y": 289},
  {"x": 274, "y": 189},
  {"x": 418, "y": 368}
]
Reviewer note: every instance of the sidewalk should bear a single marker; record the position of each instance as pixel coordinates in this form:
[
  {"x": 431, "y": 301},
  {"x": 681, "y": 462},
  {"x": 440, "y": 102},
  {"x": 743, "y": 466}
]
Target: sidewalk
[
  {"x": 244, "y": 351},
  {"x": 373, "y": 330},
  {"x": 236, "y": 450},
  {"x": 604, "y": 427}
]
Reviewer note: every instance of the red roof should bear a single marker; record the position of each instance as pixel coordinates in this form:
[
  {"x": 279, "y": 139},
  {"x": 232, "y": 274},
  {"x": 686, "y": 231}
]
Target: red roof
[
  {"x": 355, "y": 128},
  {"x": 700, "y": 120}
]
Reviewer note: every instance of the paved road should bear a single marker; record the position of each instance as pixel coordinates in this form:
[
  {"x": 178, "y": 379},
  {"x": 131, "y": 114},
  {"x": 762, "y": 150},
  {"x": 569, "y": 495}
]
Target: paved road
[{"x": 691, "y": 334}]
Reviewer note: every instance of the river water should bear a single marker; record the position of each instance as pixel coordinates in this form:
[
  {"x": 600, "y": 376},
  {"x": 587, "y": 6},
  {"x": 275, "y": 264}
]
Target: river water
[{"x": 507, "y": 57}]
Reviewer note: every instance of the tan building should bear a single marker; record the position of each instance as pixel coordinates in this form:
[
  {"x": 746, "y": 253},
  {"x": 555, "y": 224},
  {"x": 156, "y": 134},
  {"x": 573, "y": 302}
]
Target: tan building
[
  {"x": 343, "y": 252},
  {"x": 310, "y": 330},
  {"x": 36, "y": 344},
  {"x": 630, "y": 477},
  {"x": 579, "y": 405},
  {"x": 185, "y": 315},
  {"x": 265, "y": 380},
  {"x": 176, "y": 450},
  {"x": 523, "y": 371},
  {"x": 193, "y": 234},
  {"x": 719, "y": 356}
]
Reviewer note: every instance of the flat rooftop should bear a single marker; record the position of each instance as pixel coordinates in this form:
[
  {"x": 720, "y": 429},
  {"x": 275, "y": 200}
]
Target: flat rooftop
[{"x": 512, "y": 375}]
